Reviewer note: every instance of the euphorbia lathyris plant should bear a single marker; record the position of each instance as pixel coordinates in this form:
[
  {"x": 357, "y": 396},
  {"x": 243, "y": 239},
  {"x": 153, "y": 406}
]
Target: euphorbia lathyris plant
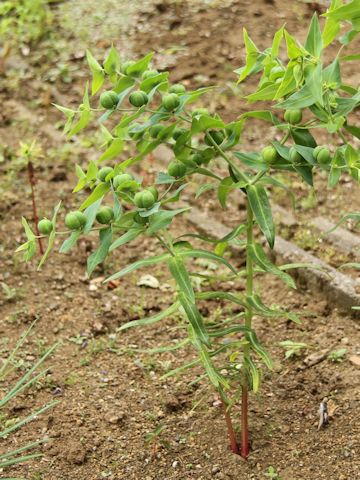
[{"x": 144, "y": 110}]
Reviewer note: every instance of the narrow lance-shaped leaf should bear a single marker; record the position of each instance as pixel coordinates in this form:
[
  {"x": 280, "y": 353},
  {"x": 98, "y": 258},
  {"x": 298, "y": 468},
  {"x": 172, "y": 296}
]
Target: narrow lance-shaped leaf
[
  {"x": 181, "y": 276},
  {"x": 260, "y": 258},
  {"x": 99, "y": 255},
  {"x": 141, "y": 263},
  {"x": 127, "y": 237},
  {"x": 198, "y": 253},
  {"x": 195, "y": 319},
  {"x": 260, "y": 205},
  {"x": 150, "y": 320}
]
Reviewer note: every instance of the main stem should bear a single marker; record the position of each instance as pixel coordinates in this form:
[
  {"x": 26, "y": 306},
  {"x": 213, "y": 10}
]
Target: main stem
[
  {"x": 248, "y": 318},
  {"x": 35, "y": 215}
]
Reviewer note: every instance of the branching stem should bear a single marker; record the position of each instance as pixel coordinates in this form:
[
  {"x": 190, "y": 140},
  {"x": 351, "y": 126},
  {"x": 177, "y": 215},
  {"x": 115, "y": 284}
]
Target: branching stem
[{"x": 248, "y": 320}]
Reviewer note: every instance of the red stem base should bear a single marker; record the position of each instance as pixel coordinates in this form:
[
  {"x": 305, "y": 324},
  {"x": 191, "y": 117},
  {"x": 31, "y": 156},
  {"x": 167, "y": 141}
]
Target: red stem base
[
  {"x": 244, "y": 423},
  {"x": 233, "y": 443}
]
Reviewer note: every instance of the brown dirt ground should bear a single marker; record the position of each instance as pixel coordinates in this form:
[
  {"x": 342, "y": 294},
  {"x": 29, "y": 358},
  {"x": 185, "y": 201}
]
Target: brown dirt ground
[{"x": 111, "y": 394}]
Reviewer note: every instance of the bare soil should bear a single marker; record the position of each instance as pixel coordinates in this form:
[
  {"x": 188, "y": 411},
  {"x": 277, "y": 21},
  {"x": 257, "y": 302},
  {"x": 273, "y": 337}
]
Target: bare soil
[{"x": 110, "y": 391}]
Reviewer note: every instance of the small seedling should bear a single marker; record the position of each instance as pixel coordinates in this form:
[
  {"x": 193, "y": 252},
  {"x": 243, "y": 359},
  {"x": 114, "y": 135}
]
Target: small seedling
[
  {"x": 337, "y": 355},
  {"x": 293, "y": 349},
  {"x": 272, "y": 473}
]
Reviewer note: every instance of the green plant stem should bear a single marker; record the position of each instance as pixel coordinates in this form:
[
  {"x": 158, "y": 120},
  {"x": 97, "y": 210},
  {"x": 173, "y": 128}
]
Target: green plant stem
[
  {"x": 221, "y": 152},
  {"x": 31, "y": 176},
  {"x": 248, "y": 320},
  {"x": 343, "y": 138}
]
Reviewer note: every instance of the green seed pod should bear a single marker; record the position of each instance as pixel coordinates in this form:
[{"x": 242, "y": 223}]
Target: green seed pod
[
  {"x": 154, "y": 191},
  {"x": 269, "y": 154},
  {"x": 156, "y": 129},
  {"x": 208, "y": 154},
  {"x": 125, "y": 66},
  {"x": 295, "y": 156},
  {"x": 75, "y": 220},
  {"x": 45, "y": 226},
  {"x": 199, "y": 111},
  {"x": 178, "y": 132},
  {"x": 293, "y": 116},
  {"x": 197, "y": 158},
  {"x": 105, "y": 215},
  {"x": 122, "y": 178},
  {"x": 138, "y": 99},
  {"x": 216, "y": 135},
  {"x": 170, "y": 102},
  {"x": 140, "y": 220},
  {"x": 177, "y": 88},
  {"x": 109, "y": 100},
  {"x": 317, "y": 150},
  {"x": 323, "y": 156},
  {"x": 176, "y": 169},
  {"x": 144, "y": 199},
  {"x": 149, "y": 74},
  {"x": 103, "y": 173}
]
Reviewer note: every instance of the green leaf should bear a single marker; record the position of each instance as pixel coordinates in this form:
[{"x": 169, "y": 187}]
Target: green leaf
[
  {"x": 355, "y": 131},
  {"x": 30, "y": 245},
  {"x": 99, "y": 191},
  {"x": 314, "y": 83},
  {"x": 350, "y": 11},
  {"x": 90, "y": 214},
  {"x": 181, "y": 276},
  {"x": 260, "y": 258},
  {"x": 205, "y": 187},
  {"x": 205, "y": 122},
  {"x": 148, "y": 84},
  {"x": 112, "y": 64},
  {"x": 51, "y": 237},
  {"x": 332, "y": 73},
  {"x": 266, "y": 92},
  {"x": 70, "y": 242},
  {"x": 276, "y": 42},
  {"x": 98, "y": 75},
  {"x": 195, "y": 319},
  {"x": 253, "y": 372},
  {"x": 113, "y": 150},
  {"x": 141, "y": 65},
  {"x": 258, "y": 348},
  {"x": 294, "y": 49},
  {"x": 260, "y": 205},
  {"x": 252, "y": 54},
  {"x": 301, "y": 99},
  {"x": 313, "y": 43},
  {"x": 151, "y": 320},
  {"x": 127, "y": 237},
  {"x": 332, "y": 26},
  {"x": 226, "y": 186},
  {"x": 256, "y": 303},
  {"x": 302, "y": 136},
  {"x": 99, "y": 255},
  {"x": 162, "y": 219},
  {"x": 237, "y": 299},
  {"x": 198, "y": 253},
  {"x": 139, "y": 264},
  {"x": 266, "y": 115}
]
